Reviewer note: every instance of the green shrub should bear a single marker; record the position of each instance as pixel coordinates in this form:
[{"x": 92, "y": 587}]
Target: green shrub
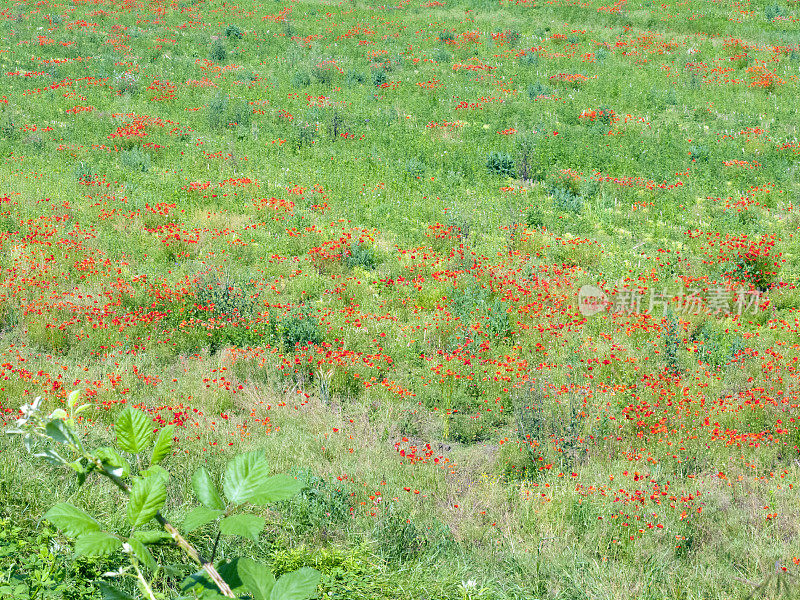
[
  {"x": 775, "y": 11},
  {"x": 217, "y": 52},
  {"x": 500, "y": 163},
  {"x": 361, "y": 255},
  {"x": 135, "y": 160},
  {"x": 233, "y": 32},
  {"x": 300, "y": 79},
  {"x": 537, "y": 89},
  {"x": 466, "y": 429},
  {"x": 216, "y": 111},
  {"x": 299, "y": 328}
]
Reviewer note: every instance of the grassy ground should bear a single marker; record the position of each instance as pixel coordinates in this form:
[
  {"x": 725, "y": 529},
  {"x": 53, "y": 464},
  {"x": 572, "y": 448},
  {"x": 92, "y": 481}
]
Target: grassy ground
[{"x": 353, "y": 236}]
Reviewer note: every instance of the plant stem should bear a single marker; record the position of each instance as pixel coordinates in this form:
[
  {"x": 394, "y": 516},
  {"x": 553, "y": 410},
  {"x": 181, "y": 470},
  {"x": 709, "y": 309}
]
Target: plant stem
[
  {"x": 145, "y": 586},
  {"x": 181, "y": 541}
]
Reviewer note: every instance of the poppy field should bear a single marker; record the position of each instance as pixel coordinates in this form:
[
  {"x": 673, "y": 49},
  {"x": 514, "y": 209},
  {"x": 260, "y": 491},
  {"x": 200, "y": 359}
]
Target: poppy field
[{"x": 510, "y": 287}]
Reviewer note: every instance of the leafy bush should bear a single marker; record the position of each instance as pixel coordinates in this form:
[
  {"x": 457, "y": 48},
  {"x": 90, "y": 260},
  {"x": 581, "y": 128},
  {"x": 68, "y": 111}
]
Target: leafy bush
[
  {"x": 319, "y": 509},
  {"x": 216, "y": 111},
  {"x": 415, "y": 167},
  {"x": 218, "y": 52},
  {"x": 537, "y": 89},
  {"x": 361, "y": 255},
  {"x": 301, "y": 79},
  {"x": 466, "y": 429},
  {"x": 501, "y": 163},
  {"x": 379, "y": 77},
  {"x": 246, "y": 483},
  {"x": 514, "y": 462},
  {"x": 232, "y": 31},
  {"x": 354, "y": 77},
  {"x": 534, "y": 218},
  {"x": 299, "y": 328},
  {"x": 135, "y": 160},
  {"x": 775, "y": 11},
  {"x": 566, "y": 200}
]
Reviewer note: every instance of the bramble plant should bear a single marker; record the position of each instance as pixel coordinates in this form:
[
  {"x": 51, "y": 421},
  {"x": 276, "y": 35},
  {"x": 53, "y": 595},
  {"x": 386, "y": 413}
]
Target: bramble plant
[{"x": 246, "y": 481}]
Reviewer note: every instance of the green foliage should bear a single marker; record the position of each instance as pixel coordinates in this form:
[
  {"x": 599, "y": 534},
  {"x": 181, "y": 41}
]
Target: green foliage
[
  {"x": 398, "y": 538},
  {"x": 355, "y": 574},
  {"x": 514, "y": 462},
  {"x": 301, "y": 79},
  {"x": 775, "y": 11},
  {"x": 218, "y": 52},
  {"x": 33, "y": 566},
  {"x": 135, "y": 160},
  {"x": 299, "y": 328},
  {"x": 321, "y": 506},
  {"x": 216, "y": 111},
  {"x": 246, "y": 481},
  {"x": 500, "y": 163},
  {"x": 233, "y": 32},
  {"x": 361, "y": 255}
]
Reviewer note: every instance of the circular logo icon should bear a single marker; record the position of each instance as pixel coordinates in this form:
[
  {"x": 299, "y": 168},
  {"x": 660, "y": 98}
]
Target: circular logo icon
[{"x": 591, "y": 300}]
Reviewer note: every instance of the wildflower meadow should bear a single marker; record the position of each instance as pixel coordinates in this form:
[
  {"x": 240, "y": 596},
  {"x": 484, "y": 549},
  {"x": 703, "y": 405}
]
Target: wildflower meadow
[{"x": 436, "y": 300}]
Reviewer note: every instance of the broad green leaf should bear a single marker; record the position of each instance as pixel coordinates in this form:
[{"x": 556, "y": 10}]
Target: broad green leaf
[
  {"x": 248, "y": 526},
  {"x": 72, "y": 398},
  {"x": 109, "y": 592},
  {"x": 71, "y": 520},
  {"x": 200, "y": 516},
  {"x": 156, "y": 471},
  {"x": 51, "y": 456},
  {"x": 244, "y": 477},
  {"x": 163, "y": 445},
  {"x": 142, "y": 553},
  {"x": 277, "y": 488},
  {"x": 112, "y": 461},
  {"x": 205, "y": 490},
  {"x": 147, "y": 497},
  {"x": 299, "y": 585},
  {"x": 133, "y": 430},
  {"x": 96, "y": 542},
  {"x": 151, "y": 536},
  {"x": 257, "y": 578},
  {"x": 59, "y": 414},
  {"x": 200, "y": 583},
  {"x": 60, "y": 432}
]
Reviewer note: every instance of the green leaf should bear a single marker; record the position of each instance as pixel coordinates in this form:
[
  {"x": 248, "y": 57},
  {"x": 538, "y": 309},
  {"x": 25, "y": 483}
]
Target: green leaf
[
  {"x": 163, "y": 445},
  {"x": 142, "y": 553},
  {"x": 156, "y": 471},
  {"x": 299, "y": 585},
  {"x": 248, "y": 526},
  {"x": 60, "y": 432},
  {"x": 51, "y": 456},
  {"x": 244, "y": 477},
  {"x": 200, "y": 583},
  {"x": 200, "y": 516},
  {"x": 276, "y": 489},
  {"x": 71, "y": 520},
  {"x": 257, "y": 578},
  {"x": 133, "y": 430},
  {"x": 96, "y": 542},
  {"x": 112, "y": 461},
  {"x": 109, "y": 592},
  {"x": 205, "y": 490},
  {"x": 151, "y": 536},
  {"x": 147, "y": 497}
]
